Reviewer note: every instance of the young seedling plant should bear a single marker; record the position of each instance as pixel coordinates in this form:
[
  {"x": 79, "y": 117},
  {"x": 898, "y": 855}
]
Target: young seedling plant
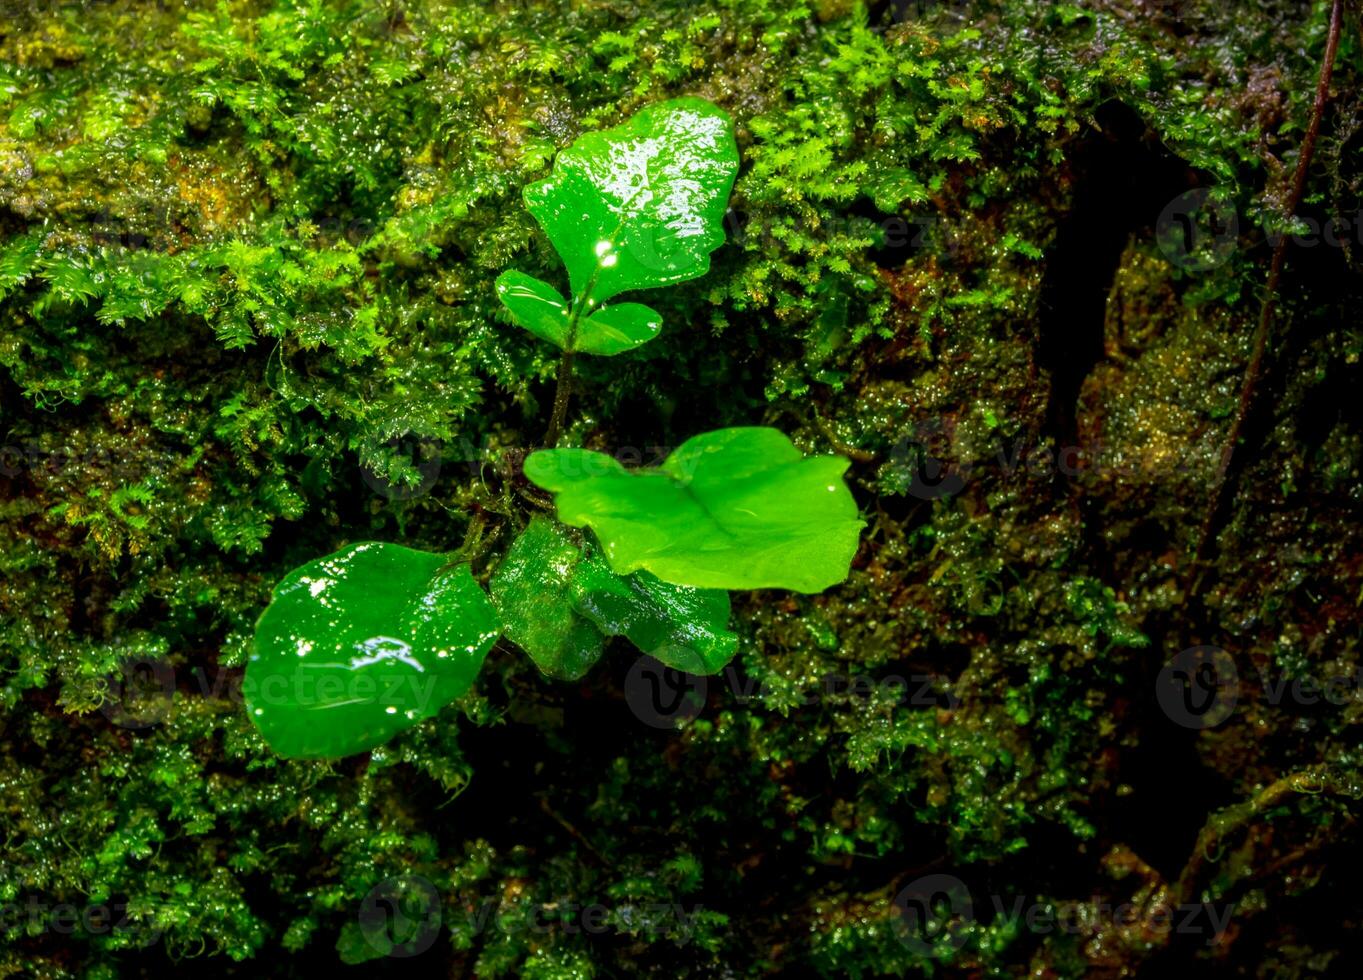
[{"x": 371, "y": 640}]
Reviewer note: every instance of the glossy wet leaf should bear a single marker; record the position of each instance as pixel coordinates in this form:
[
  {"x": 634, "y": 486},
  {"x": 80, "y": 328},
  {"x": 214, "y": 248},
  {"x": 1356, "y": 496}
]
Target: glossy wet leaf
[
  {"x": 361, "y": 644},
  {"x": 733, "y": 509},
  {"x": 641, "y": 204},
  {"x": 683, "y": 627},
  {"x": 617, "y": 328},
  {"x": 535, "y": 305},
  {"x": 532, "y": 593},
  {"x": 560, "y": 600}
]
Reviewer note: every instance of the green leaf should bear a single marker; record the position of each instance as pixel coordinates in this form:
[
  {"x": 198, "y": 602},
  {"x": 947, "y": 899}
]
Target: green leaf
[
  {"x": 616, "y": 329},
  {"x": 683, "y": 627},
  {"x": 733, "y": 509},
  {"x": 560, "y": 600},
  {"x": 530, "y": 589},
  {"x": 536, "y": 306},
  {"x": 642, "y": 204},
  {"x": 361, "y": 644}
]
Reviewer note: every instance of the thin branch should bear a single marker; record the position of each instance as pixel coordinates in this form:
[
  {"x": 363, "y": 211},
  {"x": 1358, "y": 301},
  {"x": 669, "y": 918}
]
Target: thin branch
[
  {"x": 1310, "y": 781},
  {"x": 1224, "y": 481}
]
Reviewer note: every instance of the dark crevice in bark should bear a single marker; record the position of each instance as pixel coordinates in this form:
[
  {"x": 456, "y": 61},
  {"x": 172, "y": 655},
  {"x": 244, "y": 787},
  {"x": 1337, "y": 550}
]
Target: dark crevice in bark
[{"x": 1124, "y": 177}]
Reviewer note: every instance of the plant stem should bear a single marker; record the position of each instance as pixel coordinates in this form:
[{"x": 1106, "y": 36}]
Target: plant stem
[
  {"x": 561, "y": 395},
  {"x": 564, "y": 389},
  {"x": 1224, "y": 480}
]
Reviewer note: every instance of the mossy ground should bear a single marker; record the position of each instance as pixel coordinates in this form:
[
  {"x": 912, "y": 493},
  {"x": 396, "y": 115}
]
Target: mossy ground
[{"x": 246, "y": 316}]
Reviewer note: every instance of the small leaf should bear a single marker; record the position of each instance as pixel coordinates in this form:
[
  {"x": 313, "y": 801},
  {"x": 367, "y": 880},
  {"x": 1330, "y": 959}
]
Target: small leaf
[
  {"x": 683, "y": 627},
  {"x": 535, "y": 306},
  {"x": 531, "y": 591},
  {"x": 361, "y": 644},
  {"x": 616, "y": 329},
  {"x": 733, "y": 509},
  {"x": 642, "y": 204}
]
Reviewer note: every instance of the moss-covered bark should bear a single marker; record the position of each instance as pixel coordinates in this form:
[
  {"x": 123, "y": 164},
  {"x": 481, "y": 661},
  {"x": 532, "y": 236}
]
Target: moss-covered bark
[{"x": 247, "y": 316}]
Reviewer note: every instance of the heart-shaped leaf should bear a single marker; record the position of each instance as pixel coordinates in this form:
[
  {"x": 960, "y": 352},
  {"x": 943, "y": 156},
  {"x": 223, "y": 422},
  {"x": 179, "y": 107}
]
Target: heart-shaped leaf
[
  {"x": 531, "y": 591},
  {"x": 733, "y": 509},
  {"x": 535, "y": 306},
  {"x": 642, "y": 204},
  {"x": 361, "y": 644},
  {"x": 636, "y": 206}
]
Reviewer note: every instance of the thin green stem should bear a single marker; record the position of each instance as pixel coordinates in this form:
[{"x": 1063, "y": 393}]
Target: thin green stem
[
  {"x": 564, "y": 389},
  {"x": 561, "y": 395}
]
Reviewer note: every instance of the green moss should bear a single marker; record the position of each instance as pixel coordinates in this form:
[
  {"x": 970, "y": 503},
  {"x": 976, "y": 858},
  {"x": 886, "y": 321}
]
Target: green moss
[{"x": 247, "y": 315}]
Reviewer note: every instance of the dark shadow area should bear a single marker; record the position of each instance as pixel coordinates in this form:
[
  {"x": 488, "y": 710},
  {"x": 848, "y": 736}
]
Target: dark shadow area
[{"x": 1122, "y": 177}]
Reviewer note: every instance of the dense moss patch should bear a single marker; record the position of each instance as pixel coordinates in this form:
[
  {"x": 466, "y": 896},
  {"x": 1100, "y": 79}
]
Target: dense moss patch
[{"x": 247, "y": 316}]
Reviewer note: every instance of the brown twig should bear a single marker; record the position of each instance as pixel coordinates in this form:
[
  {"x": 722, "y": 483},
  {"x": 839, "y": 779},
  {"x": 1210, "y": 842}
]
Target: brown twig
[
  {"x": 1310, "y": 781},
  {"x": 1224, "y": 480},
  {"x": 576, "y": 834},
  {"x": 845, "y": 449}
]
